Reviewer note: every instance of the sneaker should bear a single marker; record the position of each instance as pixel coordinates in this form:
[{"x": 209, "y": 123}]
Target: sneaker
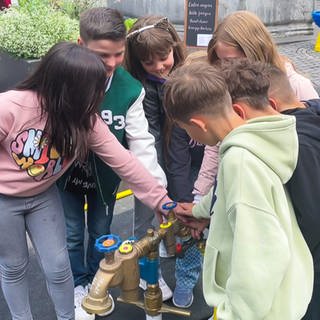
[
  {"x": 166, "y": 291},
  {"x": 182, "y": 297},
  {"x": 163, "y": 253},
  {"x": 80, "y": 314},
  {"x": 143, "y": 284}
]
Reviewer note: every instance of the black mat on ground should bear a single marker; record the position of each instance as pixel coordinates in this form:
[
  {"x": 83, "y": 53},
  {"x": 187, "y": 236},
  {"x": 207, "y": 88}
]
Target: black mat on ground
[{"x": 42, "y": 307}]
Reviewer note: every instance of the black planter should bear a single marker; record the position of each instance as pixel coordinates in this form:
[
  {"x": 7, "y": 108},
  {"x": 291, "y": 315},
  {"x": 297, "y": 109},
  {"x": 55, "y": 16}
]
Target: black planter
[{"x": 13, "y": 70}]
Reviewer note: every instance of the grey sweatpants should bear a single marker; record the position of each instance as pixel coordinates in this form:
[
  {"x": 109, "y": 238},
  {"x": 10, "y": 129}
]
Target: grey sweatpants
[{"x": 41, "y": 216}]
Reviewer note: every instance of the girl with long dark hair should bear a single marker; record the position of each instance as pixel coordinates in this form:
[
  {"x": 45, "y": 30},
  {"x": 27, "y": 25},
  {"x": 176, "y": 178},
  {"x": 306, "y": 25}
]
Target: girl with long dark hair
[{"x": 47, "y": 122}]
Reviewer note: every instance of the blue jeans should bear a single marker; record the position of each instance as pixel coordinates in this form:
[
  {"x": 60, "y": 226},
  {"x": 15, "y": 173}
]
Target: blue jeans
[
  {"x": 41, "y": 216},
  {"x": 85, "y": 260}
]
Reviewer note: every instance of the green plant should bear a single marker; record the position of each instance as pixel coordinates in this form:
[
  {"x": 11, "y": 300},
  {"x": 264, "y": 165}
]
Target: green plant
[
  {"x": 129, "y": 22},
  {"x": 30, "y": 29},
  {"x": 73, "y": 8}
]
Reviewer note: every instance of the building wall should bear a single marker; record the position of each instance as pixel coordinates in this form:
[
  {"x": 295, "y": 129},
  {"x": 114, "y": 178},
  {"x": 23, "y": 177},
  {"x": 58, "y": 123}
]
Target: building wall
[{"x": 283, "y": 17}]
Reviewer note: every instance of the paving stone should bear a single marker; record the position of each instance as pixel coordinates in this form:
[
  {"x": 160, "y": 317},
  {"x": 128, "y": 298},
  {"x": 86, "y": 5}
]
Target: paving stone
[{"x": 305, "y": 59}]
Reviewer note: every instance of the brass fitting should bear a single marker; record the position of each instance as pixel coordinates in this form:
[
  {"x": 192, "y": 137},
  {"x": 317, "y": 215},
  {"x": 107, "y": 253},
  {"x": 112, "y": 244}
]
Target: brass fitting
[
  {"x": 153, "y": 299},
  {"x": 123, "y": 271}
]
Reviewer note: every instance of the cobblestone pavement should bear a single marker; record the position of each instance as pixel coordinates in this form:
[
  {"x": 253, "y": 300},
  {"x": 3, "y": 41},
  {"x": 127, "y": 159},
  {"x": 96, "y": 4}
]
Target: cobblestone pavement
[{"x": 306, "y": 60}]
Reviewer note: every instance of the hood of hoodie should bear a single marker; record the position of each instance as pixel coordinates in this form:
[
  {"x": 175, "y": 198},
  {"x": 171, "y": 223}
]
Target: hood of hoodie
[
  {"x": 272, "y": 139},
  {"x": 314, "y": 105}
]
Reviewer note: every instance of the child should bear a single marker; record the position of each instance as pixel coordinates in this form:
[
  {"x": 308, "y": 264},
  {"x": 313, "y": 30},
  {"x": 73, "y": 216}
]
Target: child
[
  {"x": 304, "y": 184},
  {"x": 209, "y": 166},
  {"x": 44, "y": 125},
  {"x": 183, "y": 161},
  {"x": 242, "y": 34},
  {"x": 256, "y": 264},
  {"x": 153, "y": 50},
  {"x": 102, "y": 31}
]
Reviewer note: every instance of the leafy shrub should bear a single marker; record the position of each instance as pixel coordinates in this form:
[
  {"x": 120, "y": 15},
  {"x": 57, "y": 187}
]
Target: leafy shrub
[
  {"x": 30, "y": 29},
  {"x": 129, "y": 22},
  {"x": 73, "y": 8}
]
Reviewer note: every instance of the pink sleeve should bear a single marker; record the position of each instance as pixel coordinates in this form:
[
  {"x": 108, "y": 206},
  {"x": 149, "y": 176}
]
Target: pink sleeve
[
  {"x": 7, "y": 115},
  {"x": 127, "y": 166},
  {"x": 301, "y": 85},
  {"x": 208, "y": 171}
]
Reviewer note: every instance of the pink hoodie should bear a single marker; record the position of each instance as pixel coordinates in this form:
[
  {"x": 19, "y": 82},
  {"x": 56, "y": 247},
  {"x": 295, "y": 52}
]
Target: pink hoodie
[{"x": 28, "y": 168}]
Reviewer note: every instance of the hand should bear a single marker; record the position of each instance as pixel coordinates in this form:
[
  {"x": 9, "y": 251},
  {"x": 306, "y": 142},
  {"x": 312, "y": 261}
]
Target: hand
[
  {"x": 197, "y": 226},
  {"x": 195, "y": 234},
  {"x": 160, "y": 216},
  {"x": 183, "y": 211}
]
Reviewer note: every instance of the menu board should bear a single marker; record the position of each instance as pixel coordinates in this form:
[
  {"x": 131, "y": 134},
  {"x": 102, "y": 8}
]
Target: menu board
[{"x": 199, "y": 22}]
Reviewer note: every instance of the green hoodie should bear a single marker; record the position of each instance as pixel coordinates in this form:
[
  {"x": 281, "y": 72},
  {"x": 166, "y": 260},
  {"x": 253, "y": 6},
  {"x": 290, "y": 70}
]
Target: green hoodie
[{"x": 257, "y": 264}]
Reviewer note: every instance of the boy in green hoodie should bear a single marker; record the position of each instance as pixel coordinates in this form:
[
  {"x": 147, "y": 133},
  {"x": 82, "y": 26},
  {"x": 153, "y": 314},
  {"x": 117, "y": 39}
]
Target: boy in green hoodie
[{"x": 257, "y": 264}]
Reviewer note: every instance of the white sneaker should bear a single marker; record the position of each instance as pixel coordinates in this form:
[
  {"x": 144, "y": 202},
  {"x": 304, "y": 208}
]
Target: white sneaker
[
  {"x": 163, "y": 253},
  {"x": 80, "y": 314},
  {"x": 143, "y": 284},
  {"x": 166, "y": 291}
]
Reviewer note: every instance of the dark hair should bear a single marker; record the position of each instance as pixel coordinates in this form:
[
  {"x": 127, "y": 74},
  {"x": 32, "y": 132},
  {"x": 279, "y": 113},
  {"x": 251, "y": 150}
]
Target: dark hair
[
  {"x": 196, "y": 88},
  {"x": 159, "y": 39},
  {"x": 280, "y": 87},
  {"x": 70, "y": 83},
  {"x": 247, "y": 81},
  {"x": 102, "y": 23}
]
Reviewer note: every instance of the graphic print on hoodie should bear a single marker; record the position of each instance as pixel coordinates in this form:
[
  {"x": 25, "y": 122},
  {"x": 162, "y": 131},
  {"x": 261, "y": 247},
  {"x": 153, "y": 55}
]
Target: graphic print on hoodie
[{"x": 31, "y": 152}]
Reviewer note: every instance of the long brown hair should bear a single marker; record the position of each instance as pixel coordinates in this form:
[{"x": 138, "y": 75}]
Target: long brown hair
[
  {"x": 142, "y": 43},
  {"x": 70, "y": 83},
  {"x": 245, "y": 31}
]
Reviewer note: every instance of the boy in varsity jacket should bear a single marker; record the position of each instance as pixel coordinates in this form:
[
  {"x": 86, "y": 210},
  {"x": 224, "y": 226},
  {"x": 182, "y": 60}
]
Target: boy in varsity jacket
[{"x": 102, "y": 31}]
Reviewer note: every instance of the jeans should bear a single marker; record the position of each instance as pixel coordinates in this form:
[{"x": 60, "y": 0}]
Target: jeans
[
  {"x": 85, "y": 260},
  {"x": 41, "y": 216}
]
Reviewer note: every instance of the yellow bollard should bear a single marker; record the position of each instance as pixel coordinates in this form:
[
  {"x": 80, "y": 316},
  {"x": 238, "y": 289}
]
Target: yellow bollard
[
  {"x": 123, "y": 194},
  {"x": 317, "y": 45},
  {"x": 120, "y": 195}
]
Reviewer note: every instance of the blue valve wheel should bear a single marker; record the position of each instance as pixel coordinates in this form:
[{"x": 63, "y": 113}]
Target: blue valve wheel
[
  {"x": 169, "y": 205},
  {"x": 108, "y": 243}
]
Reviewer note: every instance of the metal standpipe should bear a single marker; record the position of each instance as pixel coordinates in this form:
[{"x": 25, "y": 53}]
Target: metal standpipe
[{"x": 120, "y": 268}]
